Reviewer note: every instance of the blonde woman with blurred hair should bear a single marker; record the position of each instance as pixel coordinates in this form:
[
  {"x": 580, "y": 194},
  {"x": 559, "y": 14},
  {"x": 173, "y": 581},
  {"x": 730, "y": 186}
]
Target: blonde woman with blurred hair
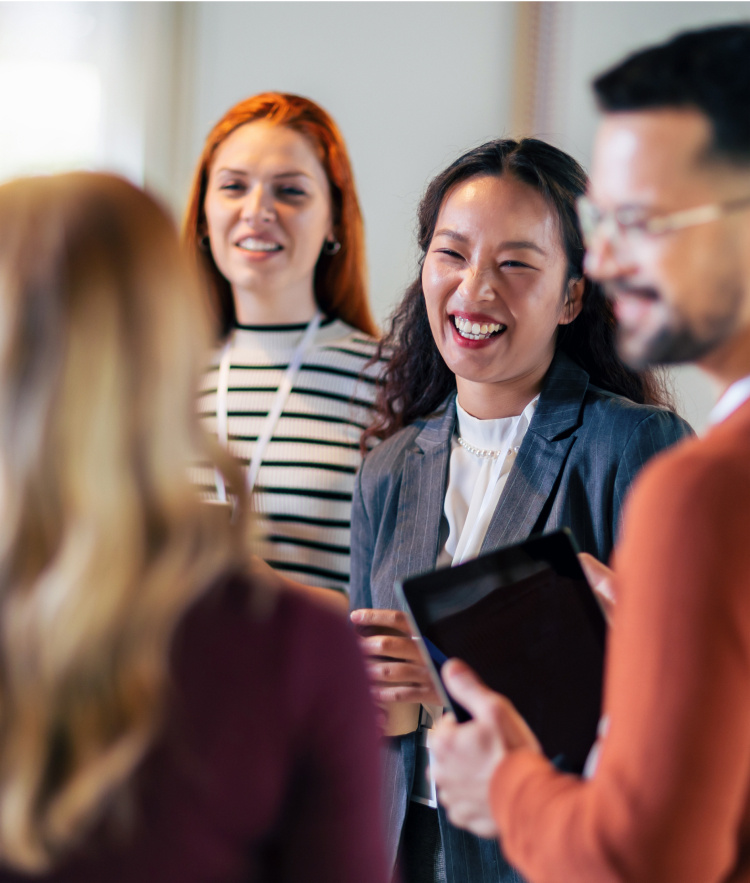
[{"x": 162, "y": 716}]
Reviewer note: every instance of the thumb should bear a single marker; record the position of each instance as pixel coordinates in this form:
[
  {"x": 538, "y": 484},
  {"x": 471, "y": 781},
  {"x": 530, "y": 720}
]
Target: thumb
[
  {"x": 599, "y": 577},
  {"x": 595, "y": 571},
  {"x": 466, "y": 687}
]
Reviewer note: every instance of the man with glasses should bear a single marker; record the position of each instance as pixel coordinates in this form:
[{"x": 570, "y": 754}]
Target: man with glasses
[{"x": 667, "y": 226}]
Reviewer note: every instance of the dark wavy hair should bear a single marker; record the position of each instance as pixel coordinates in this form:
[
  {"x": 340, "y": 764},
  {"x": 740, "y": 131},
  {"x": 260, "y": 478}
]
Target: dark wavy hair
[{"x": 417, "y": 380}]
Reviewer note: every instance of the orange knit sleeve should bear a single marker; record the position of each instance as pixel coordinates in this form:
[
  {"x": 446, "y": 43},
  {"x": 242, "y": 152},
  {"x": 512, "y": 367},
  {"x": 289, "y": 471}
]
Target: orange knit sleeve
[{"x": 668, "y": 801}]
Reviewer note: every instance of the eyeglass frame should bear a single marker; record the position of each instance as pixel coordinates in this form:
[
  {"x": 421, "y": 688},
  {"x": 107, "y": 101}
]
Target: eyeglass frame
[{"x": 653, "y": 226}]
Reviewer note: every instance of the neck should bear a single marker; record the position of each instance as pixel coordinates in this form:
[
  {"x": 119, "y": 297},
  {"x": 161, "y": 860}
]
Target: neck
[
  {"x": 730, "y": 362},
  {"x": 507, "y": 398},
  {"x": 287, "y": 307}
]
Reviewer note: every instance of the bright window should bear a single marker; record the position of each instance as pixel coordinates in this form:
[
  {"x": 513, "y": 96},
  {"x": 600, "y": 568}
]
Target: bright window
[{"x": 49, "y": 116}]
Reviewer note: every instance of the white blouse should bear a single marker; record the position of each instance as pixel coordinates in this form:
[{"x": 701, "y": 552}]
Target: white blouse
[{"x": 475, "y": 483}]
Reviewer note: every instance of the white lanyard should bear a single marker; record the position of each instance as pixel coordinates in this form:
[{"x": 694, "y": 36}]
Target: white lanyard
[{"x": 282, "y": 394}]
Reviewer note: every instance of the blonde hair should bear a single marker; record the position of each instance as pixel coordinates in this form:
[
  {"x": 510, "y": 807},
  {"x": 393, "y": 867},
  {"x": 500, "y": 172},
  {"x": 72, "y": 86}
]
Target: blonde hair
[{"x": 104, "y": 542}]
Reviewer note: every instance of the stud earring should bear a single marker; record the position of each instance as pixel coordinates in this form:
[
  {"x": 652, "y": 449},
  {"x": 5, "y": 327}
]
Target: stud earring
[
  {"x": 331, "y": 247},
  {"x": 204, "y": 244}
]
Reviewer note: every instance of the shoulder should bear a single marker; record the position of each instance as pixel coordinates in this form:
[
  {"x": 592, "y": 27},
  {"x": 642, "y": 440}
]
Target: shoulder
[
  {"x": 386, "y": 460},
  {"x": 688, "y": 519},
  {"x": 337, "y": 336},
  {"x": 617, "y": 419},
  {"x": 242, "y": 633},
  {"x": 570, "y": 403},
  {"x": 381, "y": 471},
  {"x": 706, "y": 478},
  {"x": 347, "y": 350}
]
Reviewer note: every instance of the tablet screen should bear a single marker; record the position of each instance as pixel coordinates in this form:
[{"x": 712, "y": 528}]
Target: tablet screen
[{"x": 525, "y": 619}]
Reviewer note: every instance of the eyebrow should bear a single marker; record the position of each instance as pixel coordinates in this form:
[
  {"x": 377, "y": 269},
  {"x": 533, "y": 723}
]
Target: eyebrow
[
  {"x": 509, "y": 244},
  {"x": 291, "y": 174}
]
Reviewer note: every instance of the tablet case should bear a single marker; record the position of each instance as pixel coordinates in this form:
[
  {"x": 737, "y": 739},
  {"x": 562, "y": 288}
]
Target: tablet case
[{"x": 526, "y": 620}]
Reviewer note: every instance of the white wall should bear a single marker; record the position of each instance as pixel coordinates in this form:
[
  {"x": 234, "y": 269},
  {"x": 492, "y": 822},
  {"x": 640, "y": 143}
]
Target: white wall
[
  {"x": 598, "y": 35},
  {"x": 411, "y": 85}
]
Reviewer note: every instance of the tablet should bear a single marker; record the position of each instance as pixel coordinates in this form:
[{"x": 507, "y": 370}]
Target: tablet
[{"x": 525, "y": 619}]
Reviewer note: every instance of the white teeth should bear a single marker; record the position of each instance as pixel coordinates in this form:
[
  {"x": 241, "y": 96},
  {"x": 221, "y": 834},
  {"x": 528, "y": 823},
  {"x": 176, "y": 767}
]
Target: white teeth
[
  {"x": 250, "y": 244},
  {"x": 475, "y": 331}
]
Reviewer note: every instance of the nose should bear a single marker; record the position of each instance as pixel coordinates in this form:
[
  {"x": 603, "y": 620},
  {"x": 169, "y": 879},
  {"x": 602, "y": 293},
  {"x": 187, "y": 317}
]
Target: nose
[
  {"x": 477, "y": 284},
  {"x": 258, "y": 205}
]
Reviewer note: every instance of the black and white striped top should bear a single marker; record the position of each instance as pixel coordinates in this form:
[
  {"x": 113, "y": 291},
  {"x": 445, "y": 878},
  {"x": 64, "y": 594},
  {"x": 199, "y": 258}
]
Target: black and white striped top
[{"x": 303, "y": 493}]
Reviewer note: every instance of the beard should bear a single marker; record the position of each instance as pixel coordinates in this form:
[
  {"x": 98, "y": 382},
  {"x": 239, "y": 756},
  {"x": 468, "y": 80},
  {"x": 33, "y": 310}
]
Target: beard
[
  {"x": 663, "y": 334},
  {"x": 673, "y": 346}
]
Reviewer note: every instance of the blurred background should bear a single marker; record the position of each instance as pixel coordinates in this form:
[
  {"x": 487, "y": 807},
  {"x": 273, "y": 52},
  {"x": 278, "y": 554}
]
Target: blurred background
[{"x": 134, "y": 88}]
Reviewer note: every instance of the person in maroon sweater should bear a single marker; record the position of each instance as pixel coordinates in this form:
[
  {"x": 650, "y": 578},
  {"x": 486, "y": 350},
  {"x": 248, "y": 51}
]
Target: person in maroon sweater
[{"x": 165, "y": 715}]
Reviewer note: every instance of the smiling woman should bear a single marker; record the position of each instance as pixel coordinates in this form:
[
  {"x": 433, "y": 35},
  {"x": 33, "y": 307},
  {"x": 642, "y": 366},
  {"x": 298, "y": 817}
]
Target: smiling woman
[
  {"x": 496, "y": 287},
  {"x": 268, "y": 216},
  {"x": 505, "y": 411},
  {"x": 274, "y": 219}
]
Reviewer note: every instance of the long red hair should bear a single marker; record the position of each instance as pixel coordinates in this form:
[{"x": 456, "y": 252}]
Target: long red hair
[{"x": 340, "y": 280}]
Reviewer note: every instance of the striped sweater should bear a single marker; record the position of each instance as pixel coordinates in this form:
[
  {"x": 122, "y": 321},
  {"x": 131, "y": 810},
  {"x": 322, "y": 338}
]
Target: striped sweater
[{"x": 303, "y": 493}]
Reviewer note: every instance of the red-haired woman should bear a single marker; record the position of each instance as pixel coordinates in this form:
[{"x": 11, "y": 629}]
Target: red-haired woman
[{"x": 274, "y": 217}]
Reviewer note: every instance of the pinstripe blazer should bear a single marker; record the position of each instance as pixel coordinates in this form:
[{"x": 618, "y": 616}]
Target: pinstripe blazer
[{"x": 574, "y": 467}]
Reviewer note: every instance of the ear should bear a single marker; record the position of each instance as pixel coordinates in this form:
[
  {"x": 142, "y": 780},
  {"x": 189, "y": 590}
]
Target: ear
[{"x": 573, "y": 301}]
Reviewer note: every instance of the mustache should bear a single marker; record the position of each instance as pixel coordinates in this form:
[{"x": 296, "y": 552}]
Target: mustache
[{"x": 621, "y": 288}]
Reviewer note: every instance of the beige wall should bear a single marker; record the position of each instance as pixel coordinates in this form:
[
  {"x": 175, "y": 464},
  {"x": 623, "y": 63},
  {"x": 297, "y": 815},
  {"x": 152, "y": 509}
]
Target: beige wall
[{"x": 412, "y": 84}]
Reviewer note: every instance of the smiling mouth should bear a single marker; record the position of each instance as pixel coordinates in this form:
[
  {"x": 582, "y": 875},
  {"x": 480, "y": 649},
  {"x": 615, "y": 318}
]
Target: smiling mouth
[
  {"x": 475, "y": 330},
  {"x": 251, "y": 244}
]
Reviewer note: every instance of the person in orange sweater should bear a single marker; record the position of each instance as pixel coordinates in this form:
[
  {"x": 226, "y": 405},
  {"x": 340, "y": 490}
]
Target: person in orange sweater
[{"x": 668, "y": 233}]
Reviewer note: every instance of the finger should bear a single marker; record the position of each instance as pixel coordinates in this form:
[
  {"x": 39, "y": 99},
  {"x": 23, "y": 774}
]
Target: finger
[
  {"x": 383, "y": 619},
  {"x": 595, "y": 571},
  {"x": 603, "y": 595},
  {"x": 425, "y": 694},
  {"x": 469, "y": 690},
  {"x": 398, "y": 674},
  {"x": 600, "y": 578},
  {"x": 442, "y": 735},
  {"x": 387, "y": 647}
]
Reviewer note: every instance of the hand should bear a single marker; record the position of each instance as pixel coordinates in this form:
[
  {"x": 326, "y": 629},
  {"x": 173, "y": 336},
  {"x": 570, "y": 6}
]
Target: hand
[
  {"x": 394, "y": 663},
  {"x": 601, "y": 579},
  {"x": 464, "y": 756}
]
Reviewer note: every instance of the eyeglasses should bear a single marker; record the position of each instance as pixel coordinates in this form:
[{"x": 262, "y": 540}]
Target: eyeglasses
[{"x": 631, "y": 224}]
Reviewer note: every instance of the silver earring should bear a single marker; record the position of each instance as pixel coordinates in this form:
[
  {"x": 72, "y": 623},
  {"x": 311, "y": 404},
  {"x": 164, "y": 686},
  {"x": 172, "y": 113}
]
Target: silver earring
[{"x": 331, "y": 247}]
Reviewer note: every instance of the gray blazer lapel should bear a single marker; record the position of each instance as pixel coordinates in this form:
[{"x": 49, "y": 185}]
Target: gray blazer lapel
[
  {"x": 423, "y": 485},
  {"x": 542, "y": 456}
]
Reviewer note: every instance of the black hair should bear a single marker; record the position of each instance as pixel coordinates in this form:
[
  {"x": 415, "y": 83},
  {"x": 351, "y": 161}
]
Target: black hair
[
  {"x": 707, "y": 69},
  {"x": 416, "y": 380}
]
